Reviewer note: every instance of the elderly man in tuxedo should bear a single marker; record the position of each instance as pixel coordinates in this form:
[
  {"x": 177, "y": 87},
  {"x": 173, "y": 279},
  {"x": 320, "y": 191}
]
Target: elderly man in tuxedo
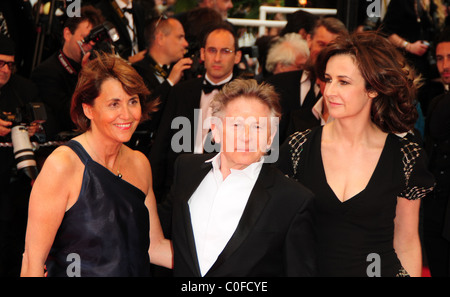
[{"x": 233, "y": 214}]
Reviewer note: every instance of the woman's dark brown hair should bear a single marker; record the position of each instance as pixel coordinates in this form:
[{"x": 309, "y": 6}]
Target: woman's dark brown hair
[
  {"x": 91, "y": 78},
  {"x": 385, "y": 71}
]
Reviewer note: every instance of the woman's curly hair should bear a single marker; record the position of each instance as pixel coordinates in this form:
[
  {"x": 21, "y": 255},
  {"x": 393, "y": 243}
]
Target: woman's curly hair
[{"x": 385, "y": 71}]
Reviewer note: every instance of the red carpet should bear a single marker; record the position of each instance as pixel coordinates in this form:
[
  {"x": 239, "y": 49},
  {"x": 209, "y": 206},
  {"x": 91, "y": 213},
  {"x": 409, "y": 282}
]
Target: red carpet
[{"x": 426, "y": 272}]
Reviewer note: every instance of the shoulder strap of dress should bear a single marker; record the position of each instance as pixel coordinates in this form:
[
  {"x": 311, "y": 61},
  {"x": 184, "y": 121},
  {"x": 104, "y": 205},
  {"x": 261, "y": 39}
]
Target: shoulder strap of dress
[{"x": 79, "y": 150}]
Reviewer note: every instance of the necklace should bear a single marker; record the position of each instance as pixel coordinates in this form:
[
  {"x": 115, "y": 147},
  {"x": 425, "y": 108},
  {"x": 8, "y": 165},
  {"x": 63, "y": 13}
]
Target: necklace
[{"x": 116, "y": 161}]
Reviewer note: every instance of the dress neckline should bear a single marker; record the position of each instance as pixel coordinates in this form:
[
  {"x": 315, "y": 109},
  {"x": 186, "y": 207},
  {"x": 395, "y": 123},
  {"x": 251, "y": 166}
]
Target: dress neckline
[{"x": 375, "y": 171}]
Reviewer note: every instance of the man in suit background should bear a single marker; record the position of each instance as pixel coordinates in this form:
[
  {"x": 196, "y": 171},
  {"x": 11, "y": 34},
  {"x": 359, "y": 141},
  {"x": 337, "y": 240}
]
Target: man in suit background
[
  {"x": 233, "y": 214},
  {"x": 129, "y": 19},
  {"x": 187, "y": 107},
  {"x": 298, "y": 89},
  {"x": 436, "y": 207},
  {"x": 161, "y": 68},
  {"x": 57, "y": 76}
]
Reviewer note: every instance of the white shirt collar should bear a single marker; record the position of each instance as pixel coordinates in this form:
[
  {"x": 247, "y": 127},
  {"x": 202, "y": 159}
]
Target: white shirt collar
[
  {"x": 221, "y": 82},
  {"x": 123, "y": 5},
  {"x": 252, "y": 170},
  {"x": 317, "y": 111}
]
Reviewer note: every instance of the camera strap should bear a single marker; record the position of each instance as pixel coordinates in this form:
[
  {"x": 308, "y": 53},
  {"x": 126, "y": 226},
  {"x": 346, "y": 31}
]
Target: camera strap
[
  {"x": 65, "y": 63},
  {"x": 164, "y": 73}
]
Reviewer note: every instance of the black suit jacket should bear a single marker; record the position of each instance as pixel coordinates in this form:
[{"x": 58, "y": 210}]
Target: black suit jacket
[
  {"x": 124, "y": 47},
  {"x": 287, "y": 85},
  {"x": 56, "y": 86},
  {"x": 146, "y": 131},
  {"x": 182, "y": 101},
  {"x": 274, "y": 236},
  {"x": 301, "y": 120}
]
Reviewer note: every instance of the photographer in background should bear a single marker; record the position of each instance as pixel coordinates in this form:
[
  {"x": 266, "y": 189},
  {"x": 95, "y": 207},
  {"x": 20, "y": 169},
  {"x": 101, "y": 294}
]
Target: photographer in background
[
  {"x": 161, "y": 68},
  {"x": 57, "y": 76},
  {"x": 15, "y": 187}
]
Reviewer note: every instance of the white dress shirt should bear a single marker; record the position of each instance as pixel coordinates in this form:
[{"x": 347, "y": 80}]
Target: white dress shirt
[
  {"x": 317, "y": 111},
  {"x": 305, "y": 85},
  {"x": 204, "y": 123},
  {"x": 217, "y": 206}
]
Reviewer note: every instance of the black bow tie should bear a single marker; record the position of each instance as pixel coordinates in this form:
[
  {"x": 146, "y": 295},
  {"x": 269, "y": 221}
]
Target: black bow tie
[
  {"x": 129, "y": 10},
  {"x": 207, "y": 87}
]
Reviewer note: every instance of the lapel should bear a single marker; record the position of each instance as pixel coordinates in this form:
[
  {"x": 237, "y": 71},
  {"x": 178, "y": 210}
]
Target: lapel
[
  {"x": 255, "y": 205},
  {"x": 195, "y": 180}
]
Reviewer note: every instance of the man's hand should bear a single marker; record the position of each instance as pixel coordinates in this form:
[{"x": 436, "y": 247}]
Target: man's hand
[
  {"x": 136, "y": 58},
  {"x": 176, "y": 72},
  {"x": 417, "y": 48},
  {"x": 4, "y": 130}
]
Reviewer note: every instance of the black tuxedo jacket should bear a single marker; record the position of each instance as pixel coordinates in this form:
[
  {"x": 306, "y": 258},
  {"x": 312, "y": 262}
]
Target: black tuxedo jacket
[
  {"x": 287, "y": 85},
  {"x": 159, "y": 91},
  {"x": 301, "y": 120},
  {"x": 182, "y": 101},
  {"x": 124, "y": 47},
  {"x": 274, "y": 236}
]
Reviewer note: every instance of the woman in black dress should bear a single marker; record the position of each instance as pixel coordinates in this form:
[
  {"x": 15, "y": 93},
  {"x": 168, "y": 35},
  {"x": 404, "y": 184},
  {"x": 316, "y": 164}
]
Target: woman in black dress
[
  {"x": 92, "y": 210},
  {"x": 367, "y": 178}
]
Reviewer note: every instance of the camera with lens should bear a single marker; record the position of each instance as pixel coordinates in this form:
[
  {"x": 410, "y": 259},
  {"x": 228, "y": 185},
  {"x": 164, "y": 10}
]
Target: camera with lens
[
  {"x": 104, "y": 36},
  {"x": 22, "y": 147}
]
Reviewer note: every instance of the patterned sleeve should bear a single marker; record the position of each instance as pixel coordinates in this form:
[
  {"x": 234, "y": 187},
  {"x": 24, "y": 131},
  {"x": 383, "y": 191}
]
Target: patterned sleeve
[
  {"x": 290, "y": 151},
  {"x": 419, "y": 181}
]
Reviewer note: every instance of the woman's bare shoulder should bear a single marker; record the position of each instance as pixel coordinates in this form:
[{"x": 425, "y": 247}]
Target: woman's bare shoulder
[{"x": 63, "y": 160}]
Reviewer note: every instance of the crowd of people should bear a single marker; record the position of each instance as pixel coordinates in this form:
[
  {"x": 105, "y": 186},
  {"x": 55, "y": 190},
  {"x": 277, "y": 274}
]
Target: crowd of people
[{"x": 175, "y": 161}]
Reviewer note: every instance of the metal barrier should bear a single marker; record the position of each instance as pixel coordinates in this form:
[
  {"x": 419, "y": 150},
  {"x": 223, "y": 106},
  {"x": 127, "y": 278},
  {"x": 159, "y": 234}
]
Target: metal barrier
[{"x": 262, "y": 22}]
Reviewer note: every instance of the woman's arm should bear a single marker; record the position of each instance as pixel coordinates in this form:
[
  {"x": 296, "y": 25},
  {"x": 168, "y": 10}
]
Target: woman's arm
[
  {"x": 160, "y": 250},
  {"x": 48, "y": 203},
  {"x": 417, "y": 48},
  {"x": 406, "y": 236}
]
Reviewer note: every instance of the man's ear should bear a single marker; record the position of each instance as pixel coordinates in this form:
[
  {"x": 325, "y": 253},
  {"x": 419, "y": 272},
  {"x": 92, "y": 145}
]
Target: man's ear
[
  {"x": 216, "y": 129},
  {"x": 273, "y": 132},
  {"x": 237, "y": 58},
  {"x": 308, "y": 40},
  {"x": 67, "y": 34},
  {"x": 202, "y": 54}
]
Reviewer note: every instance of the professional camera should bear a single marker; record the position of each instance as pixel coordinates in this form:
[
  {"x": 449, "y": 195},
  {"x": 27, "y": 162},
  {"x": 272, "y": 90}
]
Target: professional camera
[
  {"x": 104, "y": 36},
  {"x": 23, "y": 150}
]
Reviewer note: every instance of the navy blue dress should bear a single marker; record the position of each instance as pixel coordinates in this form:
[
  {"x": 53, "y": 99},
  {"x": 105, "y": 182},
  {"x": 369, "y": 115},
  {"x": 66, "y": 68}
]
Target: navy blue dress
[{"x": 106, "y": 232}]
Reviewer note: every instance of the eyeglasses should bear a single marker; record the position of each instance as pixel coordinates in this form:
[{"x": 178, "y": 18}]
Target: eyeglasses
[
  {"x": 223, "y": 51},
  {"x": 161, "y": 17},
  {"x": 11, "y": 65}
]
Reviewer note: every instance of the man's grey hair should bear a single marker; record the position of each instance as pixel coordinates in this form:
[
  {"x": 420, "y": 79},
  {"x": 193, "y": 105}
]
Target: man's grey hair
[
  {"x": 246, "y": 88},
  {"x": 285, "y": 51}
]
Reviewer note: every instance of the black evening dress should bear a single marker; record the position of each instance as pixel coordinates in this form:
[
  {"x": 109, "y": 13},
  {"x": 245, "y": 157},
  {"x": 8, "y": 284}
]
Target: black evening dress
[
  {"x": 106, "y": 232},
  {"x": 355, "y": 237}
]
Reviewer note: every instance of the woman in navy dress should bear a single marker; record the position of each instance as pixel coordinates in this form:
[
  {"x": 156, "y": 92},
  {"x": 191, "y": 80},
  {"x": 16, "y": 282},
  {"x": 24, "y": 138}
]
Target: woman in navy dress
[
  {"x": 366, "y": 172},
  {"x": 92, "y": 209}
]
